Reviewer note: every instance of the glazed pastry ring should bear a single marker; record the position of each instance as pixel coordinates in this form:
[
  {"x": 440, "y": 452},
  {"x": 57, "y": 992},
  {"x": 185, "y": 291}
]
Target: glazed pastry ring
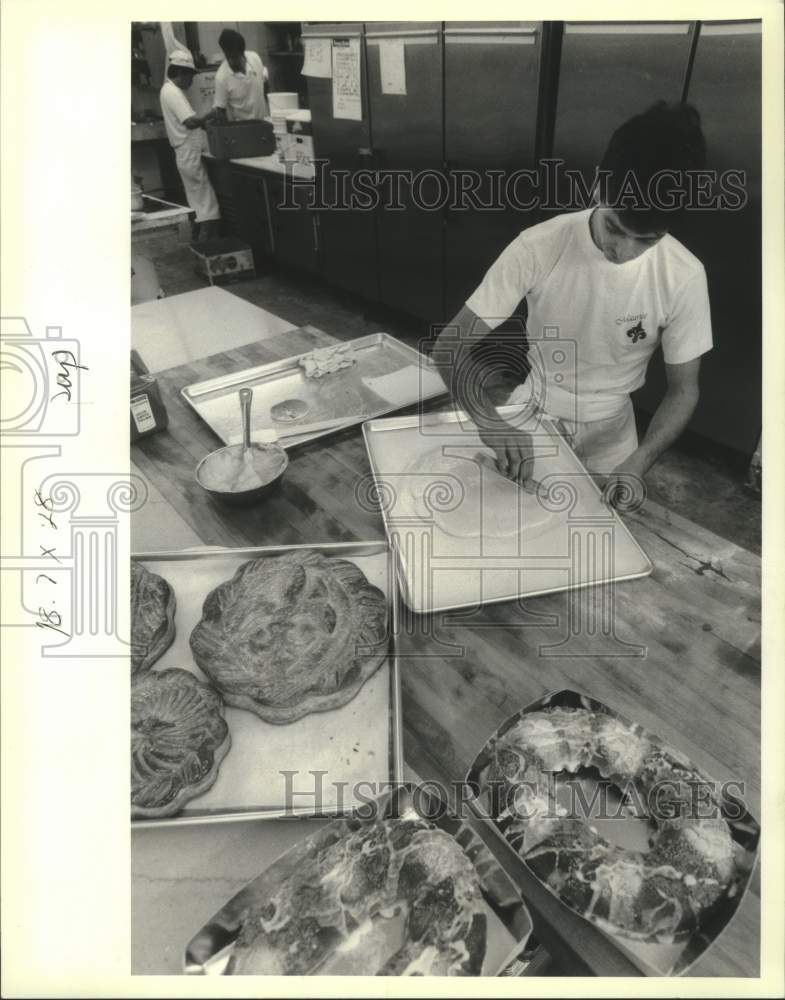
[{"x": 657, "y": 895}]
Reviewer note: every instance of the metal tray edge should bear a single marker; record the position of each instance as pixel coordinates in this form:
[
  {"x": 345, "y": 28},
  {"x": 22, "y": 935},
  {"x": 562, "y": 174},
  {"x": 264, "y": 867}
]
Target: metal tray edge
[
  {"x": 406, "y": 423},
  {"x": 284, "y": 364}
]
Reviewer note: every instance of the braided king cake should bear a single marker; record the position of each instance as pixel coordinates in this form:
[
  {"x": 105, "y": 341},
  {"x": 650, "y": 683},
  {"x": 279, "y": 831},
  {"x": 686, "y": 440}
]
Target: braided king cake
[
  {"x": 337, "y": 898},
  {"x": 292, "y": 634},
  {"x": 178, "y": 739},
  {"x": 659, "y": 895},
  {"x": 152, "y": 617}
]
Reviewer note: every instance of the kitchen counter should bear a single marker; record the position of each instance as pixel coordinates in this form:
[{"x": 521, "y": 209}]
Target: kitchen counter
[
  {"x": 272, "y": 165},
  {"x": 695, "y": 619},
  {"x": 179, "y": 329}
]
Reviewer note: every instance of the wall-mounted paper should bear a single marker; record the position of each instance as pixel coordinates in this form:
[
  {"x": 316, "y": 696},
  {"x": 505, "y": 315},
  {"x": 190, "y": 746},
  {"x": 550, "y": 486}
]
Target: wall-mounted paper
[
  {"x": 392, "y": 65},
  {"x": 347, "y": 85},
  {"x": 318, "y": 58}
]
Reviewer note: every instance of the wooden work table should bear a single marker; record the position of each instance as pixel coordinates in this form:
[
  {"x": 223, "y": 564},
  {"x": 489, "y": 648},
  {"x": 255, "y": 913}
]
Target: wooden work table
[{"x": 694, "y": 624}]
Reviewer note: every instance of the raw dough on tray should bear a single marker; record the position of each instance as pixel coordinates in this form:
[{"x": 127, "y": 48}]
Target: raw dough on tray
[{"x": 466, "y": 495}]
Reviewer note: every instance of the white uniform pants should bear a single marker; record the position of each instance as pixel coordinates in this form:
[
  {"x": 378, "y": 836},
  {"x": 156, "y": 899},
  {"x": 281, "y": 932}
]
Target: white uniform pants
[
  {"x": 602, "y": 444},
  {"x": 198, "y": 189}
]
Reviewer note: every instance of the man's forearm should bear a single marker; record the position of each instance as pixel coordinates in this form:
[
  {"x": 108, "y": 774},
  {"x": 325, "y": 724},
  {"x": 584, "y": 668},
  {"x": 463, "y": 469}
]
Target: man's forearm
[
  {"x": 452, "y": 358},
  {"x": 669, "y": 420}
]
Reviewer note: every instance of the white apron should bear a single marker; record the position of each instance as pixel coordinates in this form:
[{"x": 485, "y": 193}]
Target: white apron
[
  {"x": 198, "y": 189},
  {"x": 601, "y": 442}
]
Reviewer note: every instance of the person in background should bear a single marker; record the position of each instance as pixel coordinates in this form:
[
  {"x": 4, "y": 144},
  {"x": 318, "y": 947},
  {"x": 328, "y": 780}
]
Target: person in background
[
  {"x": 184, "y": 129},
  {"x": 239, "y": 81},
  {"x": 615, "y": 286}
]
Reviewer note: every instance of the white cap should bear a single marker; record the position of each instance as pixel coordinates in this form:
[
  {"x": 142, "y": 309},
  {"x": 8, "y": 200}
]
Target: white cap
[{"x": 181, "y": 57}]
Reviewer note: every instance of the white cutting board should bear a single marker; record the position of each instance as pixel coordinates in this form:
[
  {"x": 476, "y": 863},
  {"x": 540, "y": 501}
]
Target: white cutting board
[{"x": 567, "y": 540}]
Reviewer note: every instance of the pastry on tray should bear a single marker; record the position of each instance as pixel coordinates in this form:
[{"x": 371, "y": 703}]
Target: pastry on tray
[
  {"x": 152, "y": 617},
  {"x": 292, "y": 634},
  {"x": 391, "y": 897},
  {"x": 658, "y": 895},
  {"x": 178, "y": 739}
]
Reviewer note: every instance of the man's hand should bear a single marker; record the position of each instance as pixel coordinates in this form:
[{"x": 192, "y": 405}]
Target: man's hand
[
  {"x": 617, "y": 485},
  {"x": 514, "y": 452}
]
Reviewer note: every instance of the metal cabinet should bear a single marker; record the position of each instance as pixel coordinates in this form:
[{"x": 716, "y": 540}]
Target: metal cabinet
[
  {"x": 294, "y": 224},
  {"x": 251, "y": 211},
  {"x": 608, "y": 73},
  {"x": 725, "y": 87},
  {"x": 405, "y": 107},
  {"x": 491, "y": 80},
  {"x": 348, "y": 235}
]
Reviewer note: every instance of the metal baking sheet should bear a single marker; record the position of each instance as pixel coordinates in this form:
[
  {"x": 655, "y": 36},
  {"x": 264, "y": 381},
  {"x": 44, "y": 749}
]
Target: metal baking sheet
[
  {"x": 658, "y": 958},
  {"x": 582, "y": 542},
  {"x": 387, "y": 376},
  {"x": 509, "y": 922},
  {"x": 360, "y": 742}
]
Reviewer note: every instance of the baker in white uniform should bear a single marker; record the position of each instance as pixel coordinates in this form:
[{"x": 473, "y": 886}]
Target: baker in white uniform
[
  {"x": 184, "y": 129},
  {"x": 605, "y": 287},
  {"x": 239, "y": 80}
]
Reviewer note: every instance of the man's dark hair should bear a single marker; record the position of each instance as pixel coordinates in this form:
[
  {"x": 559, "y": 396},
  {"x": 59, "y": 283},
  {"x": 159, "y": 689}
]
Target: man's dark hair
[
  {"x": 666, "y": 137},
  {"x": 232, "y": 42},
  {"x": 174, "y": 71}
]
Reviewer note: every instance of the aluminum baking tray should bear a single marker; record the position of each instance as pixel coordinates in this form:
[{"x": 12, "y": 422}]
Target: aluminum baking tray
[
  {"x": 509, "y": 923},
  {"x": 360, "y": 742},
  {"x": 387, "y": 376},
  {"x": 666, "y": 958},
  {"x": 581, "y": 541}
]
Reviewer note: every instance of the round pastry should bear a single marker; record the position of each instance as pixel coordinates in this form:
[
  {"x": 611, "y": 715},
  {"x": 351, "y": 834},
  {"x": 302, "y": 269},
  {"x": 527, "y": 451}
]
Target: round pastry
[
  {"x": 292, "y": 634},
  {"x": 152, "y": 617},
  {"x": 656, "y": 895},
  {"x": 178, "y": 739},
  {"x": 289, "y": 409},
  {"x": 390, "y": 897}
]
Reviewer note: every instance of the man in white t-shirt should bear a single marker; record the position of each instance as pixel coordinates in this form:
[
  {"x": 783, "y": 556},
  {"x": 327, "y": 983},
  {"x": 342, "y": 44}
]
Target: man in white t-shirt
[
  {"x": 184, "y": 129},
  {"x": 604, "y": 288},
  {"x": 239, "y": 80}
]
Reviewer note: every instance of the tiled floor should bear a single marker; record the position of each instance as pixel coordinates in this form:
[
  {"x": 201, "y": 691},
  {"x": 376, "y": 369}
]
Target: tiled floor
[{"x": 696, "y": 478}]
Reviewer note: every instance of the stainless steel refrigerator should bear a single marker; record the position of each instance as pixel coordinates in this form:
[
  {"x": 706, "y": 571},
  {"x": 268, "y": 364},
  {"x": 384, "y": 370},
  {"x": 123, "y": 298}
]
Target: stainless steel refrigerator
[
  {"x": 725, "y": 87},
  {"x": 491, "y": 80},
  {"x": 405, "y": 102},
  {"x": 347, "y": 236}
]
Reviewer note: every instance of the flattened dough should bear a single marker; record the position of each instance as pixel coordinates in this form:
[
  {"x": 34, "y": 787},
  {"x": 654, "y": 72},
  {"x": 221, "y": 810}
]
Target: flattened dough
[{"x": 475, "y": 499}]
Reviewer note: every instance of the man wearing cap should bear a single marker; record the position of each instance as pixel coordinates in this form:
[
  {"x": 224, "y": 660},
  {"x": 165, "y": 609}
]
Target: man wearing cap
[
  {"x": 184, "y": 129},
  {"x": 239, "y": 81}
]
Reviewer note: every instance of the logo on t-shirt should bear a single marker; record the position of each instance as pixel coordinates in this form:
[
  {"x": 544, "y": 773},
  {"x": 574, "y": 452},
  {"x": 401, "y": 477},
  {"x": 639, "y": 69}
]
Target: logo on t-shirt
[{"x": 636, "y": 333}]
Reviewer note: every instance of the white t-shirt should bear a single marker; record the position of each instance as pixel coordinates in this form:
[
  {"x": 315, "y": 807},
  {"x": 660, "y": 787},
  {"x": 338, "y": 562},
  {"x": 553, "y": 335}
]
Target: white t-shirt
[
  {"x": 593, "y": 325},
  {"x": 176, "y": 108},
  {"x": 242, "y": 94}
]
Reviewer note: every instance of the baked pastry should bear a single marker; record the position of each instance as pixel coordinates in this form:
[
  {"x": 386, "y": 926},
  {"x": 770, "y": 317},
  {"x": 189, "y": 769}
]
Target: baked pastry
[
  {"x": 389, "y": 897},
  {"x": 659, "y": 895},
  {"x": 178, "y": 739},
  {"x": 291, "y": 634},
  {"x": 152, "y": 617}
]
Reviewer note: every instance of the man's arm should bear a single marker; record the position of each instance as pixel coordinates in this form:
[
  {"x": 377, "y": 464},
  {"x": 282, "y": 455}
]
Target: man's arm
[
  {"x": 468, "y": 387},
  {"x": 197, "y": 121},
  {"x": 669, "y": 420}
]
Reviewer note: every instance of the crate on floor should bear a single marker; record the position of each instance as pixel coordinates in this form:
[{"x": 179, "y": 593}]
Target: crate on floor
[{"x": 224, "y": 259}]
